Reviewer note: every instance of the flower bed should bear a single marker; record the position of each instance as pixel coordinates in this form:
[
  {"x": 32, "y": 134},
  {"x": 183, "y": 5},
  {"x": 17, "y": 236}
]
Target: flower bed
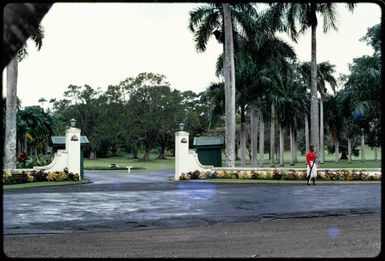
[
  {"x": 283, "y": 174},
  {"x": 38, "y": 175}
]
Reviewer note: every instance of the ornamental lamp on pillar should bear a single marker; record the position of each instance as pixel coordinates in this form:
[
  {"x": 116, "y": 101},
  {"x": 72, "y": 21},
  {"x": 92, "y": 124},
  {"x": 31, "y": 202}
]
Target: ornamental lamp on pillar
[
  {"x": 73, "y": 122},
  {"x": 181, "y": 126}
]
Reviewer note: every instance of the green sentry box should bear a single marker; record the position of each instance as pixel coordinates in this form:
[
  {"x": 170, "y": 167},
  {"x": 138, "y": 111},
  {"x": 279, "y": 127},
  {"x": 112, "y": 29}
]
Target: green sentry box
[{"x": 209, "y": 150}]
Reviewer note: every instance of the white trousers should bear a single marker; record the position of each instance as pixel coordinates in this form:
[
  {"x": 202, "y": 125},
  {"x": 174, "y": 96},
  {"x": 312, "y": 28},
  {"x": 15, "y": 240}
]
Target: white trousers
[{"x": 313, "y": 173}]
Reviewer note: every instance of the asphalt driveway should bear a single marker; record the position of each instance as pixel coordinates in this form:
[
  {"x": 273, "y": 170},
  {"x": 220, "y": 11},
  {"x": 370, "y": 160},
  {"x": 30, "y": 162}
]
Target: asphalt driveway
[{"x": 117, "y": 202}]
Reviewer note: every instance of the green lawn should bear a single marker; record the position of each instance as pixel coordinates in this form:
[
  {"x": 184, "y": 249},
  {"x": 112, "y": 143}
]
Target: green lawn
[{"x": 125, "y": 159}]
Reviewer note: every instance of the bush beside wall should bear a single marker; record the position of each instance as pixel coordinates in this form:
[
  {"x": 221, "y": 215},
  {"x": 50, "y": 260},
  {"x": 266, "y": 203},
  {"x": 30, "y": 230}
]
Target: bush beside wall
[
  {"x": 282, "y": 174},
  {"x": 38, "y": 175}
]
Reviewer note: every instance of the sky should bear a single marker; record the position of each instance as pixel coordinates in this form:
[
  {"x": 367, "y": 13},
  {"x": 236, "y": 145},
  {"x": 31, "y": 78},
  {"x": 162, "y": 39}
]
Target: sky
[{"x": 101, "y": 44}]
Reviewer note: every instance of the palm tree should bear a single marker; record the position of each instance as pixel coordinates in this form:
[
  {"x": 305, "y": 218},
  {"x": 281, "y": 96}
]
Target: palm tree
[
  {"x": 325, "y": 72},
  {"x": 20, "y": 20},
  {"x": 10, "y": 126},
  {"x": 229, "y": 74},
  {"x": 258, "y": 55},
  {"x": 306, "y": 15},
  {"x": 216, "y": 19}
]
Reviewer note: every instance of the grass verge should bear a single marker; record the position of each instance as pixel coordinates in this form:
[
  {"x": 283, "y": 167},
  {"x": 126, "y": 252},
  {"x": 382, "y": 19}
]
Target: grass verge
[
  {"x": 272, "y": 181},
  {"x": 44, "y": 184}
]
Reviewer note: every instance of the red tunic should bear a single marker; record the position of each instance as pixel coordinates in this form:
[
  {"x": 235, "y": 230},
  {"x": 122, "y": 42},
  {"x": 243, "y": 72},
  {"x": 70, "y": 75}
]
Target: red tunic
[{"x": 310, "y": 156}]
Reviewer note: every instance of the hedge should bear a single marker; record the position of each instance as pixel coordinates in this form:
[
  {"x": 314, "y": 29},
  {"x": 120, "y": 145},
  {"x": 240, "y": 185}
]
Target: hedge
[
  {"x": 38, "y": 175},
  {"x": 281, "y": 174}
]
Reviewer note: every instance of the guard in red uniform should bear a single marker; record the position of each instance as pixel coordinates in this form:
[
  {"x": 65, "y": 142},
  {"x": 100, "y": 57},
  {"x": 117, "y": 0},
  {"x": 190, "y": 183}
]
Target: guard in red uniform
[{"x": 311, "y": 158}]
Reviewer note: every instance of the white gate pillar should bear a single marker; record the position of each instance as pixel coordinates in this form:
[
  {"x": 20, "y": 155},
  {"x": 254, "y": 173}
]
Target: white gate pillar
[
  {"x": 73, "y": 149},
  {"x": 186, "y": 160}
]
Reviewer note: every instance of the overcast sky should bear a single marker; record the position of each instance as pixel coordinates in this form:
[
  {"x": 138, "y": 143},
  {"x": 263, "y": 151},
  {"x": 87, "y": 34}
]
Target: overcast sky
[{"x": 101, "y": 44}]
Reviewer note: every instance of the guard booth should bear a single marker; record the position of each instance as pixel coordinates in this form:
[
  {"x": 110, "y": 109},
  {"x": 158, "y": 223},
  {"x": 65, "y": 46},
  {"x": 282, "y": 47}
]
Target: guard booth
[
  {"x": 209, "y": 150},
  {"x": 59, "y": 143}
]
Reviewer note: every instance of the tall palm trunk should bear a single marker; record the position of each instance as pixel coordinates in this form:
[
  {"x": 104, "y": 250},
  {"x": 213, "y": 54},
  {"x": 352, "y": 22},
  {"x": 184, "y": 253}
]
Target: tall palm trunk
[
  {"x": 314, "y": 117},
  {"x": 337, "y": 151},
  {"x": 362, "y": 146},
  {"x": 349, "y": 150},
  {"x": 295, "y": 145},
  {"x": 229, "y": 74},
  {"x": 291, "y": 144},
  {"x": 243, "y": 137},
  {"x": 281, "y": 145},
  {"x": 261, "y": 139},
  {"x": 10, "y": 116},
  {"x": 272, "y": 135},
  {"x": 306, "y": 133},
  {"x": 254, "y": 137},
  {"x": 322, "y": 135}
]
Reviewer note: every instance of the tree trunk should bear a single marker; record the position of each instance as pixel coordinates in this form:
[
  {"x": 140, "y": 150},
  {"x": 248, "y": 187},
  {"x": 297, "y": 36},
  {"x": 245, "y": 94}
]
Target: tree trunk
[
  {"x": 307, "y": 133},
  {"x": 281, "y": 145},
  {"x": 229, "y": 74},
  {"x": 349, "y": 150},
  {"x": 337, "y": 151},
  {"x": 272, "y": 135},
  {"x": 10, "y": 116},
  {"x": 243, "y": 137},
  {"x": 146, "y": 155},
  {"x": 135, "y": 152},
  {"x": 322, "y": 136},
  {"x": 295, "y": 145},
  {"x": 291, "y": 145},
  {"x": 254, "y": 137},
  {"x": 25, "y": 145},
  {"x": 362, "y": 146},
  {"x": 375, "y": 153},
  {"x": 314, "y": 112},
  {"x": 261, "y": 139},
  {"x": 162, "y": 153},
  {"x": 92, "y": 155}
]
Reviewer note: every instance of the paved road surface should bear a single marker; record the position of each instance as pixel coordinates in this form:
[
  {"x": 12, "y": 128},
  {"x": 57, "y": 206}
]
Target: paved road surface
[{"x": 145, "y": 215}]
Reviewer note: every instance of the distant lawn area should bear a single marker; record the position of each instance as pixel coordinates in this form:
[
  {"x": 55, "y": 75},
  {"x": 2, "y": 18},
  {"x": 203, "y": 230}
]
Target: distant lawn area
[{"x": 125, "y": 159}]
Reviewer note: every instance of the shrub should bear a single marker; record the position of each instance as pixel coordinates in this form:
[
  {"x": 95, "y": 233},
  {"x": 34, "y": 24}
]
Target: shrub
[
  {"x": 6, "y": 177},
  {"x": 254, "y": 175},
  {"x": 221, "y": 175},
  {"x": 235, "y": 175},
  {"x": 195, "y": 174},
  {"x": 246, "y": 175},
  {"x": 30, "y": 177},
  {"x": 73, "y": 177},
  {"x": 39, "y": 175},
  {"x": 277, "y": 175},
  {"x": 184, "y": 176},
  {"x": 292, "y": 175},
  {"x": 364, "y": 176},
  {"x": 341, "y": 175},
  {"x": 356, "y": 175},
  {"x": 348, "y": 175},
  {"x": 204, "y": 175},
  {"x": 212, "y": 174},
  {"x": 17, "y": 178},
  {"x": 332, "y": 175}
]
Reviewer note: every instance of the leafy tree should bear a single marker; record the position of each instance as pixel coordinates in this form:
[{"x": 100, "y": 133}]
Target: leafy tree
[
  {"x": 35, "y": 127},
  {"x": 156, "y": 111}
]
